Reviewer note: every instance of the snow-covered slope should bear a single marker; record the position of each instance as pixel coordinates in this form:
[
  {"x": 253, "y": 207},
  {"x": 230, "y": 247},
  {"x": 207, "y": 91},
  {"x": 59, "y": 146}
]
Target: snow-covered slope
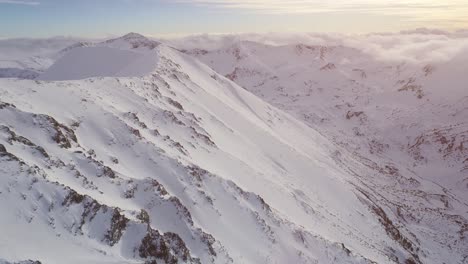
[
  {"x": 86, "y": 62},
  {"x": 183, "y": 165},
  {"x": 370, "y": 105},
  {"x": 398, "y": 117}
]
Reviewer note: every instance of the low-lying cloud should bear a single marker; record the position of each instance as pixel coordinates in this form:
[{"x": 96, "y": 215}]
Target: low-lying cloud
[{"x": 415, "y": 46}]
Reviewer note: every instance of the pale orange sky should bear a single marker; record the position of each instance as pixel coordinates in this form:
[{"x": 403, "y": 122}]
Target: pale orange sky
[{"x": 180, "y": 17}]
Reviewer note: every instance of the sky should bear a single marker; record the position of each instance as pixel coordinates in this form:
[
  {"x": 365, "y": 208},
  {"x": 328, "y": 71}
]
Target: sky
[{"x": 101, "y": 18}]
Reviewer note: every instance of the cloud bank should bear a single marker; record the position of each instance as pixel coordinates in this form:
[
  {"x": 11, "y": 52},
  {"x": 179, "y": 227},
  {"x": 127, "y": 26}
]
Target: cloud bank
[{"x": 415, "y": 46}]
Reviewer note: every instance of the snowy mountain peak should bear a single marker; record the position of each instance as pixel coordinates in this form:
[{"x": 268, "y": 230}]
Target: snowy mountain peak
[
  {"x": 133, "y": 41},
  {"x": 133, "y": 35}
]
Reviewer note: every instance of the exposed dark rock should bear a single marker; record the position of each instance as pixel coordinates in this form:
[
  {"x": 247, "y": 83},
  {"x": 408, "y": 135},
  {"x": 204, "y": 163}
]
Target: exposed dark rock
[
  {"x": 134, "y": 117},
  {"x": 13, "y": 137},
  {"x": 352, "y": 114},
  {"x": 130, "y": 192},
  {"x": 197, "y": 172},
  {"x": 63, "y": 135},
  {"x": 135, "y": 132},
  {"x": 153, "y": 247},
  {"x": 203, "y": 137},
  {"x": 118, "y": 224},
  {"x": 73, "y": 198},
  {"x": 4, "y": 105},
  {"x": 177, "y": 245},
  {"x": 143, "y": 216},
  {"x": 108, "y": 172},
  {"x": 395, "y": 233},
  {"x": 171, "y": 117},
  {"x": 169, "y": 248},
  {"x": 182, "y": 209},
  {"x": 175, "y": 103},
  {"x": 209, "y": 240},
  {"x": 5, "y": 153},
  {"x": 345, "y": 249},
  {"x": 410, "y": 85},
  {"x": 156, "y": 132},
  {"x": 175, "y": 144},
  {"x": 158, "y": 187}
]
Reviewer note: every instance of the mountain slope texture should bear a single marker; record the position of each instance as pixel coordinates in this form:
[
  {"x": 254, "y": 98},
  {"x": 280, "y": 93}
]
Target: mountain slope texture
[{"x": 135, "y": 151}]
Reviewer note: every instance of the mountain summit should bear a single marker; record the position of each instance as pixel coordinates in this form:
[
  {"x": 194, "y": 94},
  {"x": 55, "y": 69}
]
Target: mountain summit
[{"x": 133, "y": 41}]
